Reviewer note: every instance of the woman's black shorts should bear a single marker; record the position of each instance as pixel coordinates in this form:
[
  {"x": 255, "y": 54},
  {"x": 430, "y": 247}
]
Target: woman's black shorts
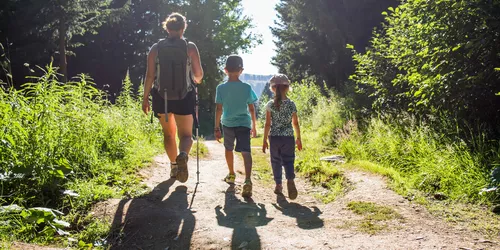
[{"x": 185, "y": 106}]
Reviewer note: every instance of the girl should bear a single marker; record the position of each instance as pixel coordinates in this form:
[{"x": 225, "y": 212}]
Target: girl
[{"x": 281, "y": 114}]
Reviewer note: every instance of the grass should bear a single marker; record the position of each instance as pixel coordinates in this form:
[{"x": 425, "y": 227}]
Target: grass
[
  {"x": 474, "y": 217},
  {"x": 422, "y": 159},
  {"x": 374, "y": 216},
  {"x": 95, "y": 234},
  {"x": 257, "y": 141},
  {"x": 203, "y": 150},
  {"x": 262, "y": 167},
  {"x": 64, "y": 148},
  {"x": 421, "y": 163}
]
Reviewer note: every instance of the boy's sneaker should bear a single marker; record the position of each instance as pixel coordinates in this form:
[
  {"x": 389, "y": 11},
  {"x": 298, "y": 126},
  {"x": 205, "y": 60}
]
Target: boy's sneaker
[
  {"x": 292, "y": 190},
  {"x": 173, "y": 171},
  {"x": 182, "y": 168},
  {"x": 278, "y": 189},
  {"x": 247, "y": 189},
  {"x": 230, "y": 178}
]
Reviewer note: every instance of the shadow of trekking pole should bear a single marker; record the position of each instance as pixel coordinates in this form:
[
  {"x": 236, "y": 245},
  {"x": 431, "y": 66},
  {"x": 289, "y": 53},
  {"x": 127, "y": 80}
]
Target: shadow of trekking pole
[{"x": 192, "y": 198}]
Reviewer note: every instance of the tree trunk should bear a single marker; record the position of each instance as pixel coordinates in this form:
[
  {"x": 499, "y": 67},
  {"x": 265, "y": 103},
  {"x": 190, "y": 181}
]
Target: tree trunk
[{"x": 62, "y": 51}]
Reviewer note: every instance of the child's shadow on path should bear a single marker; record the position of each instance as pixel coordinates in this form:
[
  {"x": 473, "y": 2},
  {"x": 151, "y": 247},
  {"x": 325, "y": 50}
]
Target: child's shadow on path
[
  {"x": 306, "y": 218},
  {"x": 244, "y": 217}
]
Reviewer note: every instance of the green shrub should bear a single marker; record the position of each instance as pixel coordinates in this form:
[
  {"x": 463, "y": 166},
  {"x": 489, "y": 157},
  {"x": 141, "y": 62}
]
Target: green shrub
[
  {"x": 427, "y": 160},
  {"x": 65, "y": 147},
  {"x": 435, "y": 58}
]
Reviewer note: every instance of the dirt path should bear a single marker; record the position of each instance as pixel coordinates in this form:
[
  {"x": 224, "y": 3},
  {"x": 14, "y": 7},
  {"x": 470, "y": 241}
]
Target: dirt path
[{"x": 174, "y": 216}]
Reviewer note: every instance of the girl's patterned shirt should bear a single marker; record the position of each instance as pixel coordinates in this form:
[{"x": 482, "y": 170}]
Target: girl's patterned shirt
[{"x": 281, "y": 119}]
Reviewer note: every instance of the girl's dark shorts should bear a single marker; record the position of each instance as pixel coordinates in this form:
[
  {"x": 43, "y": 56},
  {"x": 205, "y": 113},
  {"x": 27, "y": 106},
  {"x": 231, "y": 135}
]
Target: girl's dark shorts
[{"x": 185, "y": 106}]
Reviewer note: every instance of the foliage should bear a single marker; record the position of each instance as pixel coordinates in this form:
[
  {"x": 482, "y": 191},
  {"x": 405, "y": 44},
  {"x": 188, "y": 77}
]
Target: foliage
[
  {"x": 112, "y": 43},
  {"x": 64, "y": 147},
  {"x": 306, "y": 96},
  {"x": 34, "y": 223},
  {"x": 312, "y": 37},
  {"x": 57, "y": 21},
  {"x": 437, "y": 59},
  {"x": 425, "y": 160}
]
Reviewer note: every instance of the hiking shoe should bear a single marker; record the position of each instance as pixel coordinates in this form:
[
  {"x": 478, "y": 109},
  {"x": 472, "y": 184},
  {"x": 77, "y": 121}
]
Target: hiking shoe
[
  {"x": 278, "y": 189},
  {"x": 173, "y": 171},
  {"x": 182, "y": 167},
  {"x": 247, "y": 189},
  {"x": 292, "y": 190},
  {"x": 229, "y": 179}
]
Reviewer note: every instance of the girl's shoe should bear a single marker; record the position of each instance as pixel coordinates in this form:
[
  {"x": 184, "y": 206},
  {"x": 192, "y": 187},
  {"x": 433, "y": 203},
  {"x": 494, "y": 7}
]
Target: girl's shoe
[
  {"x": 278, "y": 189},
  {"x": 247, "y": 189},
  {"x": 229, "y": 179},
  {"x": 292, "y": 190}
]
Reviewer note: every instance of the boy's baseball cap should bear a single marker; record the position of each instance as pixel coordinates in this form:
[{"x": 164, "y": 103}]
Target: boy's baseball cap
[
  {"x": 279, "y": 79},
  {"x": 234, "y": 63}
]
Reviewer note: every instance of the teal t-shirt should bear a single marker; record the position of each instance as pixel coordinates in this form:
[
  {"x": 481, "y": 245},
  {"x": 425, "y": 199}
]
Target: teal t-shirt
[{"x": 235, "y": 97}]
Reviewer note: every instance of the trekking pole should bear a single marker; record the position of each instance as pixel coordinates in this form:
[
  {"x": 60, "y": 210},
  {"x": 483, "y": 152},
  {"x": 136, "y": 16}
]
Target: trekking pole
[{"x": 197, "y": 126}]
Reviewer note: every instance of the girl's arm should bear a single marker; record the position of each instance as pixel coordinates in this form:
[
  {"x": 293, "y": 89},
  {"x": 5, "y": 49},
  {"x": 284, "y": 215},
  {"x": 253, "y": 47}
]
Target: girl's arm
[
  {"x": 267, "y": 128},
  {"x": 296, "y": 126}
]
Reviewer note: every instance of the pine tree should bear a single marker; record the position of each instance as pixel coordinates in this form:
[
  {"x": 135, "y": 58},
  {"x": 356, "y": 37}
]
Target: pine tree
[
  {"x": 313, "y": 34},
  {"x": 60, "y": 20}
]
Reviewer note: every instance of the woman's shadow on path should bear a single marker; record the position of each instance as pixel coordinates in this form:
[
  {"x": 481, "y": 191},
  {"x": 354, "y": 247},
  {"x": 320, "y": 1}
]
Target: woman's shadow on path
[
  {"x": 244, "y": 218},
  {"x": 154, "y": 221},
  {"x": 306, "y": 218}
]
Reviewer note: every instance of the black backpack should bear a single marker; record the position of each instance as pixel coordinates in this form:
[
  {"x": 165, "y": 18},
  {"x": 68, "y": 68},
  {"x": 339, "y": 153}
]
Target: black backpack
[{"x": 172, "y": 72}]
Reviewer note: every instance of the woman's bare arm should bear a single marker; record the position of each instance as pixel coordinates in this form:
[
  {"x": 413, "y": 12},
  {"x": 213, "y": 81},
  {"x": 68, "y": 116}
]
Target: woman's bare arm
[
  {"x": 150, "y": 77},
  {"x": 194, "y": 54}
]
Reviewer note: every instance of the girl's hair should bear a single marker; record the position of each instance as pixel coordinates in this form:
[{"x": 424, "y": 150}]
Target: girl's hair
[
  {"x": 279, "y": 91},
  {"x": 175, "y": 22}
]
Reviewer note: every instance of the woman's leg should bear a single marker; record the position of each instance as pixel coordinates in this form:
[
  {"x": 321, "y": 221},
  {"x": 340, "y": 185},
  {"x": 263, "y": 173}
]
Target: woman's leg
[
  {"x": 185, "y": 132},
  {"x": 169, "y": 130}
]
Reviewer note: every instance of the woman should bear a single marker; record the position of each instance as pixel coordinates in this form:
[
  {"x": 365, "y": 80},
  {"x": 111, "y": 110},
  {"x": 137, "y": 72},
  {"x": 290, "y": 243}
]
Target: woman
[{"x": 179, "y": 112}]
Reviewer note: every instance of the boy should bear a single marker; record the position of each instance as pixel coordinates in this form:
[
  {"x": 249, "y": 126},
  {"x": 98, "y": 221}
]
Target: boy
[{"x": 234, "y": 100}]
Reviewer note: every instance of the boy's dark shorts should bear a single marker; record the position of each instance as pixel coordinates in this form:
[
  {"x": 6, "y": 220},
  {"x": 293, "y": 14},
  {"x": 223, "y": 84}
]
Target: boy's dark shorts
[
  {"x": 242, "y": 136},
  {"x": 185, "y": 106}
]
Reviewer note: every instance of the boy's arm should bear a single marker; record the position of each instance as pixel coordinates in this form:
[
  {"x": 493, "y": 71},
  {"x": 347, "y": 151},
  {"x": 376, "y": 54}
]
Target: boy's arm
[
  {"x": 296, "y": 126},
  {"x": 218, "y": 114},
  {"x": 251, "y": 108},
  {"x": 267, "y": 128}
]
